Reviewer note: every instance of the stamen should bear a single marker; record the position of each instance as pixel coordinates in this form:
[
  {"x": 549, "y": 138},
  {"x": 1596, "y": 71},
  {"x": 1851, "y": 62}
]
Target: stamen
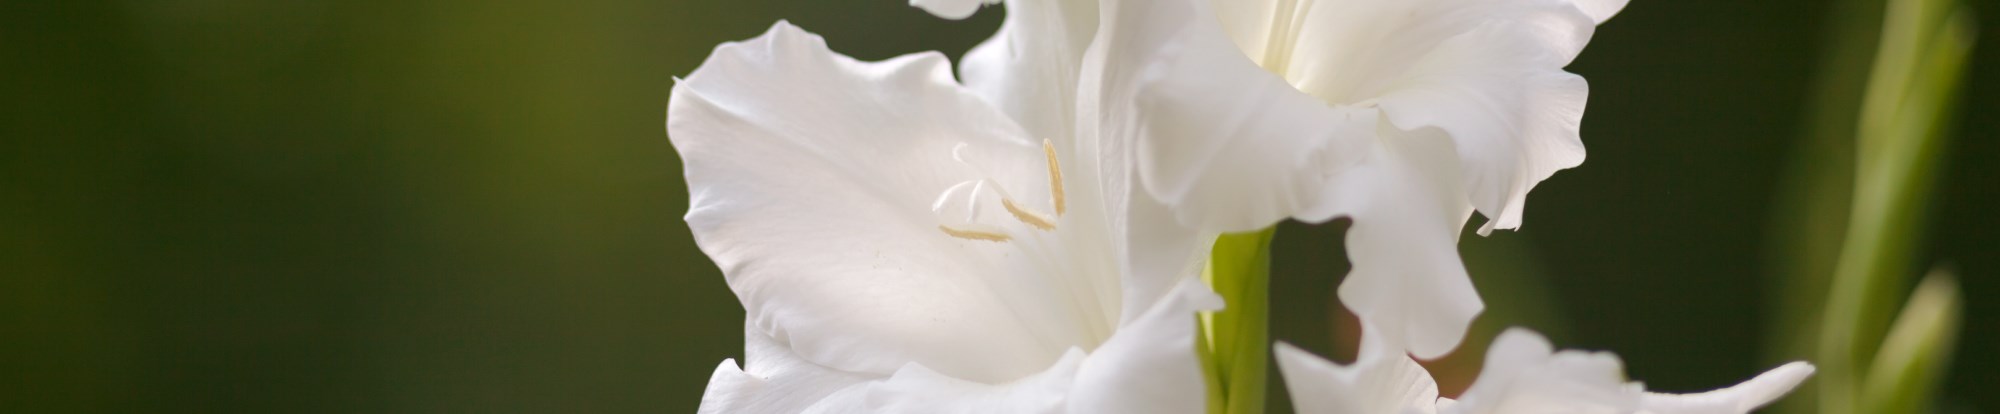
[
  {"x": 1055, "y": 176},
  {"x": 974, "y": 234},
  {"x": 1038, "y": 220}
]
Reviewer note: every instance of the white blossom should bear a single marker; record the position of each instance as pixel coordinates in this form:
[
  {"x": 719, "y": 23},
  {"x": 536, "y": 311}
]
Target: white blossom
[
  {"x": 901, "y": 245},
  {"x": 1405, "y": 116}
]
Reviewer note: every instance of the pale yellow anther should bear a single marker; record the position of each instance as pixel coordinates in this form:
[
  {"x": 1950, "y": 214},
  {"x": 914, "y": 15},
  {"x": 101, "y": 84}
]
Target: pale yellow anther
[
  {"x": 971, "y": 234},
  {"x": 1055, "y": 176},
  {"x": 1038, "y": 220}
]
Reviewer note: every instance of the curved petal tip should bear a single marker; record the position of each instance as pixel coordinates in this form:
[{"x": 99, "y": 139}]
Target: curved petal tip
[
  {"x": 953, "y": 9},
  {"x": 1742, "y": 398},
  {"x": 1601, "y": 10},
  {"x": 1777, "y": 382}
]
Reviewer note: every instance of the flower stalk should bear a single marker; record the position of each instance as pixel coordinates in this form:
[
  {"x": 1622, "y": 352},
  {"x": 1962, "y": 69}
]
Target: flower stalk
[
  {"x": 1900, "y": 137},
  {"x": 1235, "y": 347}
]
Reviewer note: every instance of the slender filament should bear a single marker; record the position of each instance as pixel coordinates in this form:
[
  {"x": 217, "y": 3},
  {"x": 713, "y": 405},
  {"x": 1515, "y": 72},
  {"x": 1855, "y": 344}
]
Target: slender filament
[
  {"x": 974, "y": 234},
  {"x": 1055, "y": 176}
]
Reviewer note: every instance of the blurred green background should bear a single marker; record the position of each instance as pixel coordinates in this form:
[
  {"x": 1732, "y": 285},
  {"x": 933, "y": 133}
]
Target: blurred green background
[{"x": 471, "y": 206}]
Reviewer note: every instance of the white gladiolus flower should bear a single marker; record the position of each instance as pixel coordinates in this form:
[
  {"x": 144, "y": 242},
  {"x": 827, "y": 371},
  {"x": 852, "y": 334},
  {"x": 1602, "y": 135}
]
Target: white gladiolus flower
[
  {"x": 899, "y": 244},
  {"x": 1523, "y": 374},
  {"x": 1405, "y": 115}
]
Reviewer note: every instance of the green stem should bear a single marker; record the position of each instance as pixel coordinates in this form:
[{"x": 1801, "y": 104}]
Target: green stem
[
  {"x": 1918, "y": 67},
  {"x": 1237, "y": 346}
]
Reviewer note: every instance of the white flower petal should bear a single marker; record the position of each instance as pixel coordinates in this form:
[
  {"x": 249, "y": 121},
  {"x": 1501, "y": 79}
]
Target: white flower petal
[
  {"x": 1352, "y": 51},
  {"x": 1738, "y": 399},
  {"x": 1488, "y": 73},
  {"x": 1407, "y": 280},
  {"x": 918, "y": 390},
  {"x": 1214, "y": 123},
  {"x": 1159, "y": 255},
  {"x": 1155, "y": 250},
  {"x": 1601, "y": 10},
  {"x": 1248, "y": 23},
  {"x": 1149, "y": 366},
  {"x": 1518, "y": 131},
  {"x": 812, "y": 177},
  {"x": 951, "y": 9},
  {"x": 1030, "y": 68},
  {"x": 1379, "y": 382},
  {"x": 772, "y": 380},
  {"x": 1525, "y": 375}
]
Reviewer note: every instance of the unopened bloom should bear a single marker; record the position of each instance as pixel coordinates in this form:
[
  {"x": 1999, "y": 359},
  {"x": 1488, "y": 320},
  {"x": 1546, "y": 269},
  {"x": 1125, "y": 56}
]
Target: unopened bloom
[{"x": 901, "y": 245}]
